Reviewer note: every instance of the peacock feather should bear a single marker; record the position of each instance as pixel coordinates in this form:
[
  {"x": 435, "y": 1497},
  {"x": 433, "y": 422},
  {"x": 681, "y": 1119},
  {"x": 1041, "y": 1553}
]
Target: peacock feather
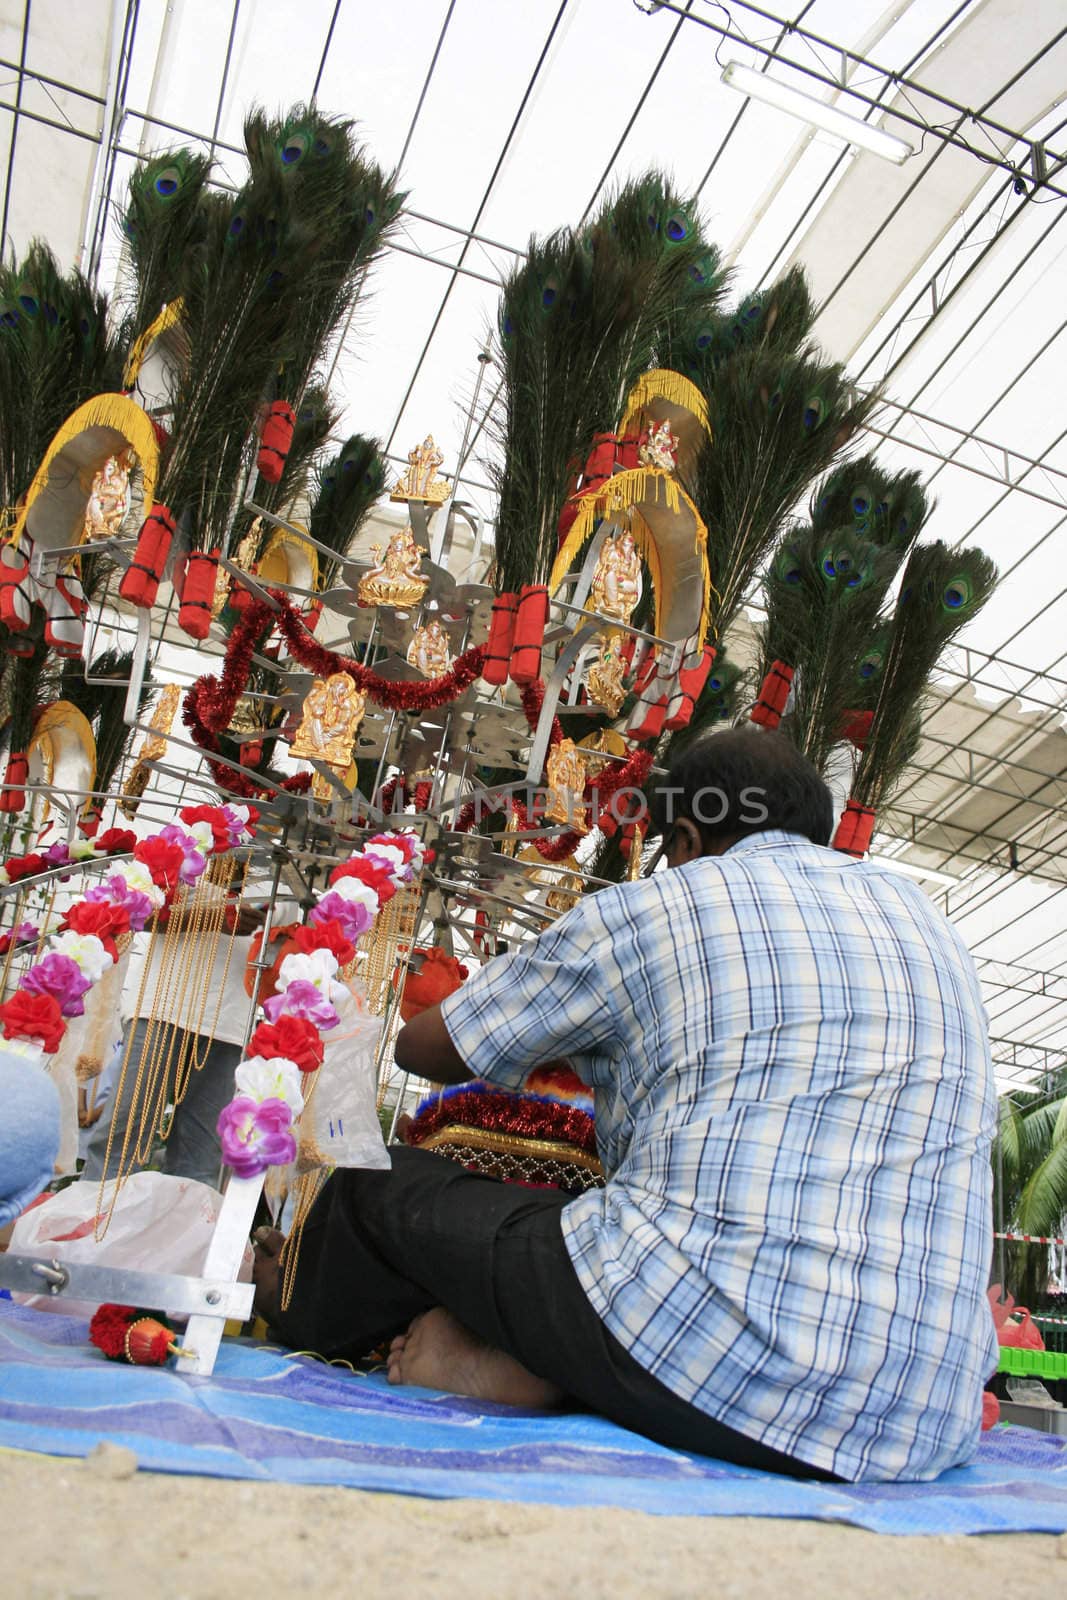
[
  {"x": 823, "y": 590},
  {"x": 579, "y": 320},
  {"x": 942, "y": 589},
  {"x": 890, "y": 508},
  {"x": 777, "y": 421},
  {"x": 163, "y": 221},
  {"x": 348, "y": 486}
]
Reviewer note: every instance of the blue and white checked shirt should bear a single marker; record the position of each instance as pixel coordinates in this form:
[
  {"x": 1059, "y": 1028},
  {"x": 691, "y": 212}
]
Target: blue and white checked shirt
[{"x": 794, "y": 1108}]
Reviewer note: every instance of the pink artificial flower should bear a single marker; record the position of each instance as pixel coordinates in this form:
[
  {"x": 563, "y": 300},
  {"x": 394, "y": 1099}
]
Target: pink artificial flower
[
  {"x": 255, "y": 1135},
  {"x": 62, "y": 978},
  {"x": 115, "y": 891},
  {"x": 302, "y": 999},
  {"x": 194, "y": 863},
  {"x": 354, "y": 916}
]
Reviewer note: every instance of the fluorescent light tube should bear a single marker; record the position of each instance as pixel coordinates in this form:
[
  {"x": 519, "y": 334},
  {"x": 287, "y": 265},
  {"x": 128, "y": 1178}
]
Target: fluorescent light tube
[
  {"x": 910, "y": 870},
  {"x": 776, "y": 93}
]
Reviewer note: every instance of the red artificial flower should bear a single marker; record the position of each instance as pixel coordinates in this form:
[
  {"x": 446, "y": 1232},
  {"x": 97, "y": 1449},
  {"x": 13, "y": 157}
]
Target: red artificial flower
[
  {"x": 101, "y": 918},
  {"x": 325, "y": 936},
  {"x": 376, "y": 877},
  {"x": 253, "y": 817},
  {"x": 163, "y": 860},
  {"x": 25, "y": 867},
  {"x": 116, "y": 841},
  {"x": 213, "y": 816},
  {"x": 33, "y": 1016},
  {"x": 292, "y": 1037},
  {"x": 107, "y": 1330}
]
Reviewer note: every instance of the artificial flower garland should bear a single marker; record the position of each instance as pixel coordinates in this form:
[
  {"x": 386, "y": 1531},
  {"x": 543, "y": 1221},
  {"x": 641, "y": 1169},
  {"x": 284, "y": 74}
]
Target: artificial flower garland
[
  {"x": 257, "y": 1128},
  {"x": 54, "y": 988}
]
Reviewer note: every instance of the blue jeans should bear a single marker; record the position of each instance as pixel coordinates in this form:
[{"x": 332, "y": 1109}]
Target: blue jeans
[
  {"x": 192, "y": 1147},
  {"x": 29, "y": 1134}
]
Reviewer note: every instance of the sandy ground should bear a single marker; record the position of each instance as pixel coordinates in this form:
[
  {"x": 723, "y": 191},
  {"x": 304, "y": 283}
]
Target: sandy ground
[{"x": 101, "y": 1530}]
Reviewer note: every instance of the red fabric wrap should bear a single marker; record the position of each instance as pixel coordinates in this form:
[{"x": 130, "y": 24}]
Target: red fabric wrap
[
  {"x": 197, "y": 592},
  {"x": 652, "y": 723},
  {"x": 89, "y": 824},
  {"x": 501, "y": 639},
  {"x": 600, "y": 462},
  {"x": 275, "y": 440},
  {"x": 10, "y": 578},
  {"x": 12, "y": 795},
  {"x": 439, "y": 976},
  {"x": 854, "y": 830},
  {"x": 141, "y": 580},
  {"x": 646, "y": 672},
  {"x": 691, "y": 681},
  {"x": 774, "y": 692},
  {"x": 626, "y": 449},
  {"x": 530, "y": 618}
]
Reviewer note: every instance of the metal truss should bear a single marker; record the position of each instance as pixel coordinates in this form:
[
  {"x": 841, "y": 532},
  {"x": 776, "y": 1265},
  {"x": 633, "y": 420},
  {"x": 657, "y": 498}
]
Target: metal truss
[{"x": 831, "y": 65}]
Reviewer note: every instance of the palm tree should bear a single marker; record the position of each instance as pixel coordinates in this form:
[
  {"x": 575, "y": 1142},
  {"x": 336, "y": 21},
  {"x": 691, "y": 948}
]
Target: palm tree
[{"x": 1030, "y": 1168}]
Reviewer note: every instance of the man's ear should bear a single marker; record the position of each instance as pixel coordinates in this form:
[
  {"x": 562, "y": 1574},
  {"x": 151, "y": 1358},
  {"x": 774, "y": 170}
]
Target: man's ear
[{"x": 687, "y": 844}]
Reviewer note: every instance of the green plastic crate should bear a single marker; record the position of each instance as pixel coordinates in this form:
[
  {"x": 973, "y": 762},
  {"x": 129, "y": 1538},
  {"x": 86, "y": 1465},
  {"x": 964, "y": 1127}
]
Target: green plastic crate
[{"x": 1032, "y": 1363}]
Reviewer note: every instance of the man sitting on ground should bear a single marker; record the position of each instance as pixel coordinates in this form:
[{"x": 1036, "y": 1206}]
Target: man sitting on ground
[{"x": 794, "y": 1108}]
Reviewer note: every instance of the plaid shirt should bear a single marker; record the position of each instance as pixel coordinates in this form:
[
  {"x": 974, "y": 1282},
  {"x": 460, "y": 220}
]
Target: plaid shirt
[{"x": 794, "y": 1108}]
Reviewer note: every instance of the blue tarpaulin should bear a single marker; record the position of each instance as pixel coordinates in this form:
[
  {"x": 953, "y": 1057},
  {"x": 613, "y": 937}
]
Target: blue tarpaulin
[{"x": 265, "y": 1416}]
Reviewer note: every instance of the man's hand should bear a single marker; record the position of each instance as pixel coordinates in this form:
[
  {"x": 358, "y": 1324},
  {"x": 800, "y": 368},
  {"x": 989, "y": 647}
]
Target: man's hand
[
  {"x": 248, "y": 919},
  {"x": 423, "y": 1046}
]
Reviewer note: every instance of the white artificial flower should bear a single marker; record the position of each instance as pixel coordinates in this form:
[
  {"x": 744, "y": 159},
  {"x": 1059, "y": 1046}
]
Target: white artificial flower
[
  {"x": 84, "y": 948},
  {"x": 391, "y": 854},
  {"x": 81, "y": 850},
  {"x": 356, "y": 892},
  {"x": 317, "y": 966},
  {"x": 201, "y": 832},
  {"x": 276, "y": 1079},
  {"x": 138, "y": 878}
]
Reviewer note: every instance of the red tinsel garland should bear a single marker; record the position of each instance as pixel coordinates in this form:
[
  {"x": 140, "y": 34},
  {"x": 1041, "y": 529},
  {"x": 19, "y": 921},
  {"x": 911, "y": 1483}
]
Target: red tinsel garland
[{"x": 499, "y": 1111}]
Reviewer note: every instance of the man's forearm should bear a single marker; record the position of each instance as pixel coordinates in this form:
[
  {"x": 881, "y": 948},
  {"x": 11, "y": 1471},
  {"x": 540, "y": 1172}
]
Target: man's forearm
[{"x": 423, "y": 1046}]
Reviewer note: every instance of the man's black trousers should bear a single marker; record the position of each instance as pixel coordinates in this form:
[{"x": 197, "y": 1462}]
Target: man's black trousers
[{"x": 380, "y": 1247}]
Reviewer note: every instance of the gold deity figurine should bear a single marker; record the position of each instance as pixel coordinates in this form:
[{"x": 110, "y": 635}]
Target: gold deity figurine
[
  {"x": 332, "y": 713},
  {"x": 429, "y": 652},
  {"x": 566, "y": 783},
  {"x": 604, "y": 679},
  {"x": 109, "y": 499},
  {"x": 396, "y": 579},
  {"x": 153, "y": 748},
  {"x": 420, "y": 481},
  {"x": 616, "y": 586},
  {"x": 660, "y": 448}
]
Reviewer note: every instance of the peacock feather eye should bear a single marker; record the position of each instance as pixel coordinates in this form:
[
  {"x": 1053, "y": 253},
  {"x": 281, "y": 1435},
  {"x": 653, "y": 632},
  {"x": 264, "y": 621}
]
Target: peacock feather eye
[
  {"x": 294, "y": 149},
  {"x": 813, "y": 414},
  {"x": 275, "y": 278},
  {"x": 705, "y": 338},
  {"x": 237, "y": 225},
  {"x": 881, "y": 511},
  {"x": 507, "y": 327},
  {"x": 861, "y": 501},
  {"x": 653, "y": 222},
  {"x": 870, "y": 665},
  {"x": 321, "y": 147},
  {"x": 51, "y": 315},
  {"x": 752, "y": 310},
  {"x": 29, "y": 304},
  {"x": 678, "y": 227},
  {"x": 775, "y": 401},
  {"x": 549, "y": 293},
  {"x": 370, "y": 216},
  {"x": 167, "y": 182},
  {"x": 9, "y": 317},
  {"x": 956, "y": 594},
  {"x": 714, "y": 684},
  {"x": 85, "y": 326},
  {"x": 349, "y": 466},
  {"x": 829, "y": 569}
]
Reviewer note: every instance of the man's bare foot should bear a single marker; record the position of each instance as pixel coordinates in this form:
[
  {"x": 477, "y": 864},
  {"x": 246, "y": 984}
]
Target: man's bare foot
[
  {"x": 266, "y": 1272},
  {"x": 437, "y": 1352}
]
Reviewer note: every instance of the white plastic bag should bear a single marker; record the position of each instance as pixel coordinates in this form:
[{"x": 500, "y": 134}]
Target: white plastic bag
[
  {"x": 159, "y": 1224},
  {"x": 339, "y": 1126}
]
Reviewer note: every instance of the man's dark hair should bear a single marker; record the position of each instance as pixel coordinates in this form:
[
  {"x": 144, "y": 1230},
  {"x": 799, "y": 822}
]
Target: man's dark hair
[{"x": 739, "y": 782}]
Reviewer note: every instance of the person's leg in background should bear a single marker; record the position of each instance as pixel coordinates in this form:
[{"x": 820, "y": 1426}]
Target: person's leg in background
[
  {"x": 192, "y": 1148},
  {"x": 116, "y": 1115},
  {"x": 29, "y": 1134}
]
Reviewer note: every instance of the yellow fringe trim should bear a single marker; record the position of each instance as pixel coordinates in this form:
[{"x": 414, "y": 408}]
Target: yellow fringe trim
[
  {"x": 115, "y": 411},
  {"x": 57, "y": 722},
  {"x": 273, "y": 570},
  {"x": 170, "y": 314},
  {"x": 661, "y": 384},
  {"x": 628, "y": 491}
]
